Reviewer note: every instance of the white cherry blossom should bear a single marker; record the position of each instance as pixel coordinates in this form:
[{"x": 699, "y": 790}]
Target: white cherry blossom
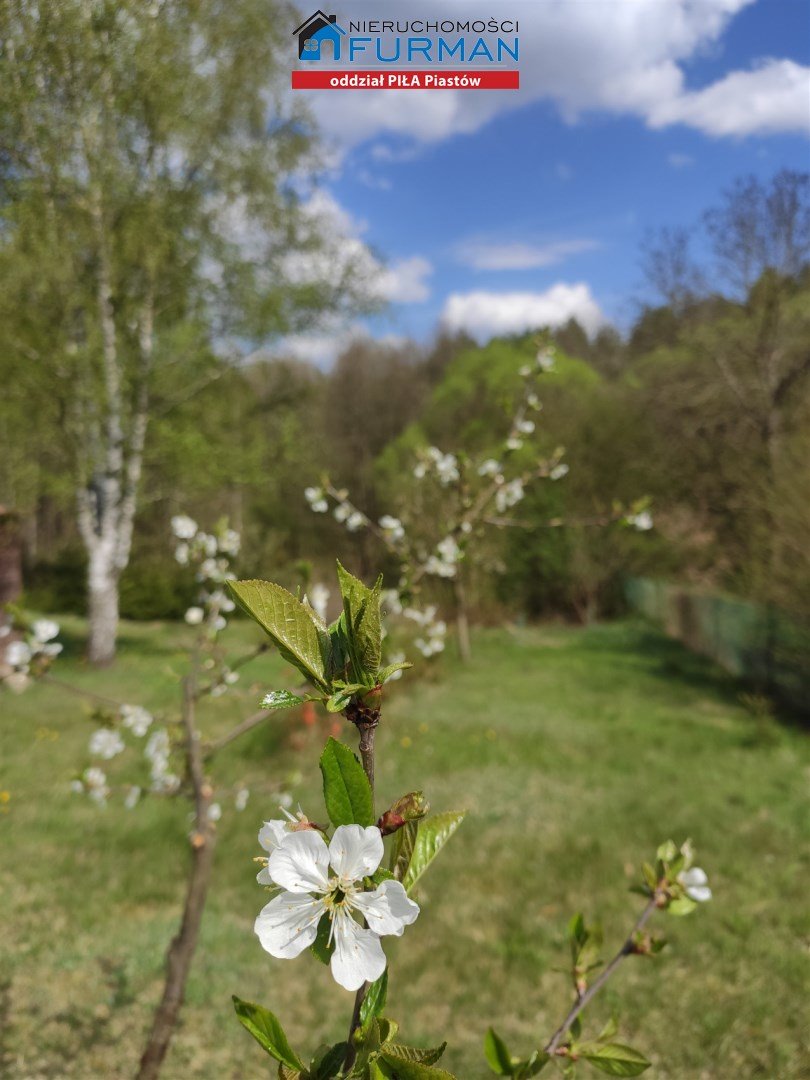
[
  {"x": 184, "y": 527},
  {"x": 696, "y": 884},
  {"x": 136, "y": 719},
  {"x": 45, "y": 629},
  {"x": 318, "y": 880},
  {"x": 106, "y": 743}
]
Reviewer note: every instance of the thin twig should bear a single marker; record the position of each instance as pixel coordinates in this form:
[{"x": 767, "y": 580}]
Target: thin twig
[
  {"x": 627, "y": 949},
  {"x": 241, "y": 728},
  {"x": 79, "y": 691},
  {"x": 181, "y": 951}
]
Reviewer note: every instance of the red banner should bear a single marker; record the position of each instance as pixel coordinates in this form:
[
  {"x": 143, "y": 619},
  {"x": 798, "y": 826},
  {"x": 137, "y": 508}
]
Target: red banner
[{"x": 403, "y": 79}]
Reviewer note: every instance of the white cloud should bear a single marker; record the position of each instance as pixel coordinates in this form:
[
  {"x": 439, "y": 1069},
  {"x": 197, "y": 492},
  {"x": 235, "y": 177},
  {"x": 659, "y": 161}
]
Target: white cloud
[
  {"x": 772, "y": 97},
  {"x": 322, "y": 349},
  {"x": 494, "y": 255},
  {"x": 405, "y": 281},
  {"x": 619, "y": 56},
  {"x": 487, "y": 314},
  {"x": 680, "y": 161},
  {"x": 342, "y": 253}
]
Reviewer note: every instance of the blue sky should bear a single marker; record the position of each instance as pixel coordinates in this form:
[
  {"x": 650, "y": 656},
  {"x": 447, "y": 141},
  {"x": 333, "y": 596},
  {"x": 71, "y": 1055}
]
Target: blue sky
[{"x": 493, "y": 210}]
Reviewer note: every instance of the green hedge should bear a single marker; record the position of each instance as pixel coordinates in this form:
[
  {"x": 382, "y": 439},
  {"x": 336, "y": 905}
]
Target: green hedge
[{"x": 761, "y": 645}]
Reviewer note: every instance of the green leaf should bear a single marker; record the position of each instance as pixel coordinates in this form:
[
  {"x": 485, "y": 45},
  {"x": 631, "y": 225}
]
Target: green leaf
[
  {"x": 379, "y": 876},
  {"x": 281, "y": 699},
  {"x": 533, "y": 1066},
  {"x": 391, "y": 669},
  {"x": 321, "y": 947},
  {"x": 267, "y": 1031},
  {"x": 608, "y": 1031},
  {"x": 346, "y": 790},
  {"x": 290, "y": 625},
  {"x": 614, "y": 1058},
  {"x": 417, "y": 1054},
  {"x": 431, "y": 836},
  {"x": 342, "y": 696},
  {"x": 374, "y": 1001},
  {"x": 684, "y": 905},
  {"x": 498, "y": 1057},
  {"x": 402, "y": 849},
  {"x": 412, "y": 1070},
  {"x": 328, "y": 1062},
  {"x": 362, "y": 624}
]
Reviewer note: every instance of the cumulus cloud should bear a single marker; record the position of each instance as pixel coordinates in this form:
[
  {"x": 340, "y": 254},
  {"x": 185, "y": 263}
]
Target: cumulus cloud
[
  {"x": 342, "y": 253},
  {"x": 619, "y": 56},
  {"x": 405, "y": 281},
  {"x": 495, "y": 255},
  {"x": 484, "y": 314},
  {"x": 772, "y": 97},
  {"x": 323, "y": 348}
]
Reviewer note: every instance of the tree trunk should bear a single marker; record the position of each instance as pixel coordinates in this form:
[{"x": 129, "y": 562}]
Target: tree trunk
[
  {"x": 102, "y": 581},
  {"x": 462, "y": 621}
]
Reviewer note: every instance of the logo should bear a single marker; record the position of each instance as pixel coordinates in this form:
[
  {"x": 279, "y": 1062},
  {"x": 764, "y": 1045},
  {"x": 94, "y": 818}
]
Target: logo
[
  {"x": 319, "y": 30},
  {"x": 466, "y": 54}
]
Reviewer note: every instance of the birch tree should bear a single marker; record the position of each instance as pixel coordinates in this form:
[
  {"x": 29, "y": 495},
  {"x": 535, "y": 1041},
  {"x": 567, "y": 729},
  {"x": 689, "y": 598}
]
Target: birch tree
[{"x": 148, "y": 212}]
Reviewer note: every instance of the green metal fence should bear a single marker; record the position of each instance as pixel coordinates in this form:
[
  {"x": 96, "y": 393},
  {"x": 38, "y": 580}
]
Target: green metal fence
[{"x": 760, "y": 645}]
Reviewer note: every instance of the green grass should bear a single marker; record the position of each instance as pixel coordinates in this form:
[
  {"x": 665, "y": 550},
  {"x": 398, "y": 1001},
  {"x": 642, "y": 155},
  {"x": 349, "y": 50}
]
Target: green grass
[{"x": 575, "y": 751}]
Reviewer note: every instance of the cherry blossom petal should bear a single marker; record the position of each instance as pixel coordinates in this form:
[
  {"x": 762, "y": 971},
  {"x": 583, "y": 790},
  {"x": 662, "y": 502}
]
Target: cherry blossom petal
[
  {"x": 387, "y": 910},
  {"x": 272, "y": 833},
  {"x": 355, "y": 852},
  {"x": 300, "y": 864},
  {"x": 358, "y": 955},
  {"x": 696, "y": 884},
  {"x": 288, "y": 924}
]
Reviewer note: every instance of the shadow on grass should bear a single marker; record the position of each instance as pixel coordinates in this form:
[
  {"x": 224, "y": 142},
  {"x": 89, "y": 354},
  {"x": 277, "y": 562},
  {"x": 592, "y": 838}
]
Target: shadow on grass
[{"x": 668, "y": 660}]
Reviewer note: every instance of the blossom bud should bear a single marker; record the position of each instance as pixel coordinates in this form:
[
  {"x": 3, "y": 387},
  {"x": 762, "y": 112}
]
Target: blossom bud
[{"x": 410, "y": 807}]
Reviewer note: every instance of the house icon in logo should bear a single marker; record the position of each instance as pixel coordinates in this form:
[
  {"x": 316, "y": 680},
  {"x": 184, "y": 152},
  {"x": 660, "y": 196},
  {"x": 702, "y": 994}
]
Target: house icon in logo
[{"x": 318, "y": 28}]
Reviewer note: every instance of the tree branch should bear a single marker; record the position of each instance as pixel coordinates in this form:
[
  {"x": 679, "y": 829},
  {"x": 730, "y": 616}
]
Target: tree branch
[
  {"x": 627, "y": 949},
  {"x": 183, "y": 946}
]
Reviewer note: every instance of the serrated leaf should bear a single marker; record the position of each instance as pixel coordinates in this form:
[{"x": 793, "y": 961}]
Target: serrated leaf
[
  {"x": 431, "y": 836},
  {"x": 412, "y": 1070},
  {"x": 498, "y": 1057},
  {"x": 362, "y": 624},
  {"x": 343, "y": 696},
  {"x": 328, "y": 1062},
  {"x": 614, "y": 1058},
  {"x": 417, "y": 1054},
  {"x": 346, "y": 790},
  {"x": 374, "y": 1001},
  {"x": 290, "y": 625},
  {"x": 267, "y": 1031},
  {"x": 402, "y": 849},
  {"x": 391, "y": 669},
  {"x": 281, "y": 699}
]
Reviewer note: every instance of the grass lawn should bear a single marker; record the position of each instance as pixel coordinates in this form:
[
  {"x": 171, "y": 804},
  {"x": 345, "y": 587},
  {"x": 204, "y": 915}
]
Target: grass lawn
[{"x": 576, "y": 752}]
